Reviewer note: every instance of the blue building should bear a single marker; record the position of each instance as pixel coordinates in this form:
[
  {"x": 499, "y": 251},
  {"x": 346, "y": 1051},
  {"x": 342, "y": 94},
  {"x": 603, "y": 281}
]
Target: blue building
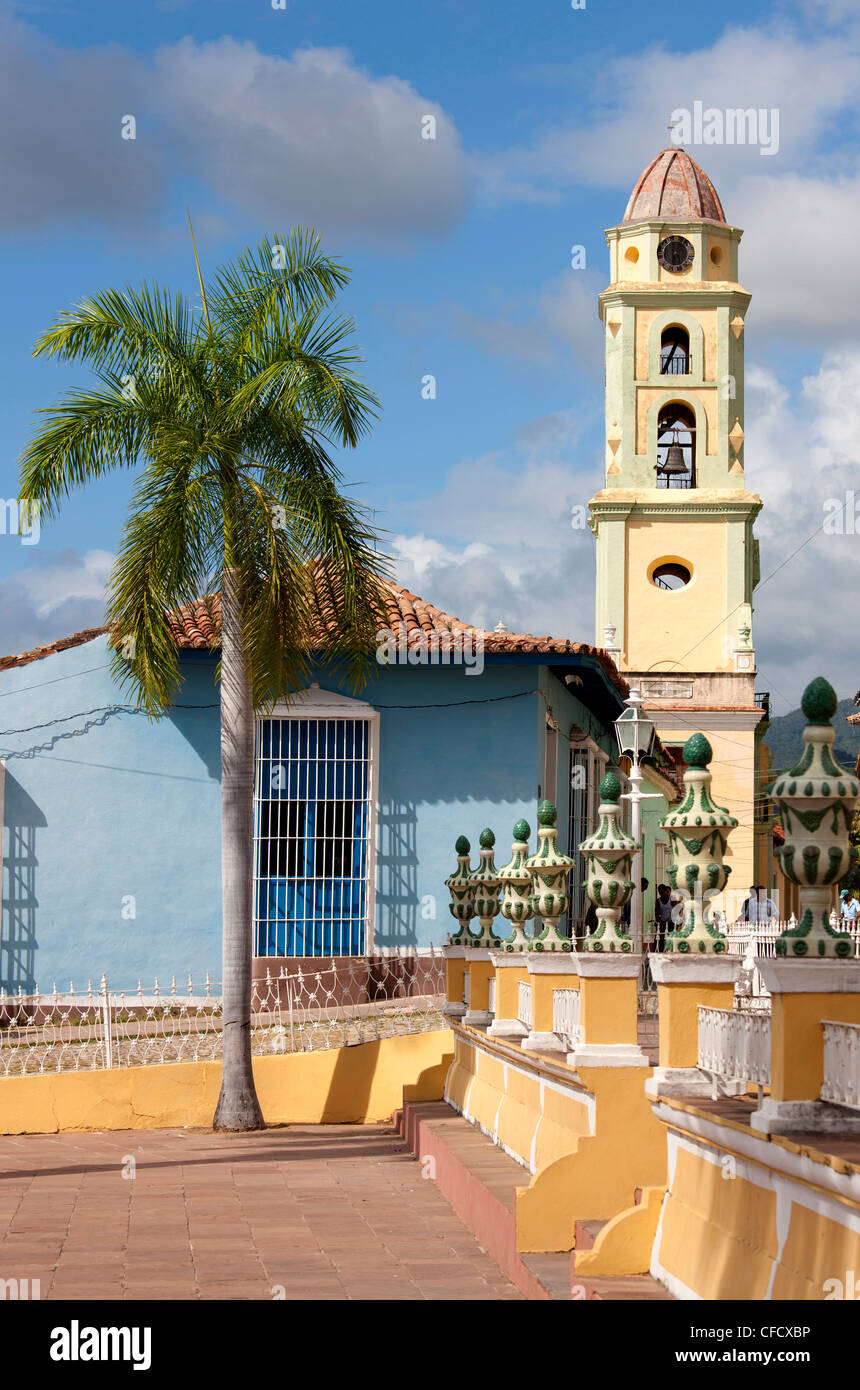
[{"x": 111, "y": 842}]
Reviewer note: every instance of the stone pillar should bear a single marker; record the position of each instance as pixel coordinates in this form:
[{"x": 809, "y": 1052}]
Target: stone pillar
[
  {"x": 479, "y": 964},
  {"x": 802, "y": 994},
  {"x": 511, "y": 970},
  {"x": 462, "y": 909},
  {"x": 609, "y": 855},
  {"x": 549, "y": 869},
  {"x": 607, "y": 966},
  {"x": 814, "y": 975},
  {"x": 608, "y": 1011},
  {"x": 817, "y": 800},
  {"x": 695, "y": 970},
  {"x": 547, "y": 973},
  {"x": 684, "y": 984},
  {"x": 698, "y": 831},
  {"x": 516, "y": 906},
  {"x": 486, "y": 884}
]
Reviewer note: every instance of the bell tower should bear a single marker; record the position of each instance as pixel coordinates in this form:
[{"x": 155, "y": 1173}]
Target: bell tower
[{"x": 677, "y": 562}]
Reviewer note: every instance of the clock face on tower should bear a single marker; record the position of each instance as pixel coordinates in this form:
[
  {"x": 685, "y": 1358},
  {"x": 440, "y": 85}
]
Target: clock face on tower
[{"x": 675, "y": 253}]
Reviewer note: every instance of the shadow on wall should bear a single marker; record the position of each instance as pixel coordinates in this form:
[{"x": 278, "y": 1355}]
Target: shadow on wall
[
  {"x": 397, "y": 873},
  {"x": 18, "y": 943}
]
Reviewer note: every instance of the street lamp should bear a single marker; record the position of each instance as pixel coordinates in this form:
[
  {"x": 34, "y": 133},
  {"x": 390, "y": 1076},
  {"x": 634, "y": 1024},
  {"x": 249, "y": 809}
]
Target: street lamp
[{"x": 635, "y": 734}]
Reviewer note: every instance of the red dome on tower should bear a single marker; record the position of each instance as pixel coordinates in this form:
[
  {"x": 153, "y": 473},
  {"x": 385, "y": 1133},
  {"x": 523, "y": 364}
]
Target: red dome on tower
[{"x": 674, "y": 189}]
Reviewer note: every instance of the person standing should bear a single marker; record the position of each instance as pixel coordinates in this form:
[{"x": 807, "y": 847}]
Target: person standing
[
  {"x": 849, "y": 908},
  {"x": 663, "y": 908},
  {"x": 749, "y": 911}
]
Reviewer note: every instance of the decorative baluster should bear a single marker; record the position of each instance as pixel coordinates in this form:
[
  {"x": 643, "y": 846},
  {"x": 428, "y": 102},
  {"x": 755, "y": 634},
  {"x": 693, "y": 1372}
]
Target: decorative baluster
[
  {"x": 698, "y": 831},
  {"x": 609, "y": 857},
  {"x": 516, "y": 905},
  {"x": 486, "y": 885},
  {"x": 549, "y": 898},
  {"x": 817, "y": 799},
  {"x": 459, "y": 885}
]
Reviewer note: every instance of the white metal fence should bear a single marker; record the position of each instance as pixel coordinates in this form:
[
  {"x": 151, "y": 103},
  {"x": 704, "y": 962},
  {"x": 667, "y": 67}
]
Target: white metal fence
[
  {"x": 758, "y": 939},
  {"x": 735, "y": 1045},
  {"x": 841, "y": 1083},
  {"x": 565, "y": 1014},
  {"x": 345, "y": 1002},
  {"x": 524, "y": 1003}
]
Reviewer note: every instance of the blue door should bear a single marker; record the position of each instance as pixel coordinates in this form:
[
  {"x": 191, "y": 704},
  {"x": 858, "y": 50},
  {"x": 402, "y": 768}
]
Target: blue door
[{"x": 311, "y": 824}]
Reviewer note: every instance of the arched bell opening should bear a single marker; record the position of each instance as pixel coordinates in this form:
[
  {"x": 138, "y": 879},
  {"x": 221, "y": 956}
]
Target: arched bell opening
[
  {"x": 676, "y": 446},
  {"x": 675, "y": 351}
]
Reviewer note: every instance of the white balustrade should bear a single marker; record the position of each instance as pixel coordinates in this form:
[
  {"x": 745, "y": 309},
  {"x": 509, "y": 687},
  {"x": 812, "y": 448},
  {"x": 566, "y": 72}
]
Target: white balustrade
[
  {"x": 524, "y": 1004},
  {"x": 735, "y": 1045},
  {"x": 758, "y": 939},
  {"x": 841, "y": 1084},
  {"x": 491, "y": 992},
  {"x": 565, "y": 1015}
]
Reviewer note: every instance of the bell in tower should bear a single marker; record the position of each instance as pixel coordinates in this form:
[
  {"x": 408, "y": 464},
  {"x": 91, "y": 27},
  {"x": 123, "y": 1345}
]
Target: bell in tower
[{"x": 677, "y": 560}]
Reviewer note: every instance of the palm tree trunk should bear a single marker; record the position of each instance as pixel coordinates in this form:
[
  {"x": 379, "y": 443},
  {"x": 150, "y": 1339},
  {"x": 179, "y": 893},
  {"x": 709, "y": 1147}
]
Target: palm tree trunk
[{"x": 238, "y": 1106}]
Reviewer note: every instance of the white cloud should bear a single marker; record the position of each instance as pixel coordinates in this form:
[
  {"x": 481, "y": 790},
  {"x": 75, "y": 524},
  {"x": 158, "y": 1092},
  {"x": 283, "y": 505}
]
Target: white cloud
[
  {"x": 60, "y": 592},
  {"x": 509, "y": 550},
  {"x": 800, "y": 452},
  {"x": 799, "y": 207},
  {"x": 798, "y": 255},
  {"x": 306, "y": 139},
  {"x": 311, "y": 138},
  {"x": 811, "y": 81}
]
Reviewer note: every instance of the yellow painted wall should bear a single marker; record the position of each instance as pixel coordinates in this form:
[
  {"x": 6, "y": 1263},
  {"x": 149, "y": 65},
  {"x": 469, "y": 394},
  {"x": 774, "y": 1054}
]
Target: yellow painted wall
[
  {"x": 706, "y": 317},
  {"x": 539, "y": 1110},
  {"x": 797, "y": 1041},
  {"x": 733, "y": 769},
  {"x": 719, "y": 1234},
  {"x": 679, "y": 1006},
  {"x": 662, "y": 623},
  {"x": 346, "y": 1085}
]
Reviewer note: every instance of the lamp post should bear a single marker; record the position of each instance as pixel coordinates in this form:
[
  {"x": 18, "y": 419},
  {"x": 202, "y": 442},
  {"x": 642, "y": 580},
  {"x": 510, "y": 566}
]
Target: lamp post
[{"x": 635, "y": 734}]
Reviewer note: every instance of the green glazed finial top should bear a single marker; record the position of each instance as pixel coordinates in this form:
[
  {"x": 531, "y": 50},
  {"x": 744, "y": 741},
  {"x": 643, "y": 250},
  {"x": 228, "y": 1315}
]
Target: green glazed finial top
[
  {"x": 697, "y": 751},
  {"x": 819, "y": 702},
  {"x": 610, "y": 788},
  {"x": 546, "y": 813},
  {"x": 462, "y": 846},
  {"x": 522, "y": 830},
  {"x": 488, "y": 839}
]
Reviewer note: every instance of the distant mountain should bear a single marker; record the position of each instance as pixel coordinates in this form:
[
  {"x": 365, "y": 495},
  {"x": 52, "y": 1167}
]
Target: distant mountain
[{"x": 784, "y": 738}]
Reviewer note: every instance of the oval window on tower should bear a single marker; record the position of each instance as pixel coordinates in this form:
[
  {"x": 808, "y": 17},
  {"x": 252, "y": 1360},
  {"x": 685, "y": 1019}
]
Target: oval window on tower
[{"x": 670, "y": 574}]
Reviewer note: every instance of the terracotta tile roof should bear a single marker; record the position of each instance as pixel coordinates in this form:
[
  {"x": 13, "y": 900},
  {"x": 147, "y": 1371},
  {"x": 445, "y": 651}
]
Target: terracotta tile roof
[
  {"x": 674, "y": 188},
  {"x": 9, "y": 663},
  {"x": 197, "y": 626}
]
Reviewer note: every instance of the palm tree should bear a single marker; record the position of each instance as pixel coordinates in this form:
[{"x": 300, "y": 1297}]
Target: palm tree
[{"x": 232, "y": 408}]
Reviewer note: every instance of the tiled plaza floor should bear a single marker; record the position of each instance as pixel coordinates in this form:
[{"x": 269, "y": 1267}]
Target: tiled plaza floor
[{"x": 319, "y": 1212}]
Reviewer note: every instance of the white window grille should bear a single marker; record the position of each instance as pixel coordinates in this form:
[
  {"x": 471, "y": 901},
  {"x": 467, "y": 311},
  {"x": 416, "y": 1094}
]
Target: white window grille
[
  {"x": 315, "y": 828},
  {"x": 524, "y": 1003},
  {"x": 841, "y": 1084}
]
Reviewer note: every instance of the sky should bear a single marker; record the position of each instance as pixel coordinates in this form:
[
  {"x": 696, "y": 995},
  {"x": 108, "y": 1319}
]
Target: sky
[{"x": 261, "y": 116}]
